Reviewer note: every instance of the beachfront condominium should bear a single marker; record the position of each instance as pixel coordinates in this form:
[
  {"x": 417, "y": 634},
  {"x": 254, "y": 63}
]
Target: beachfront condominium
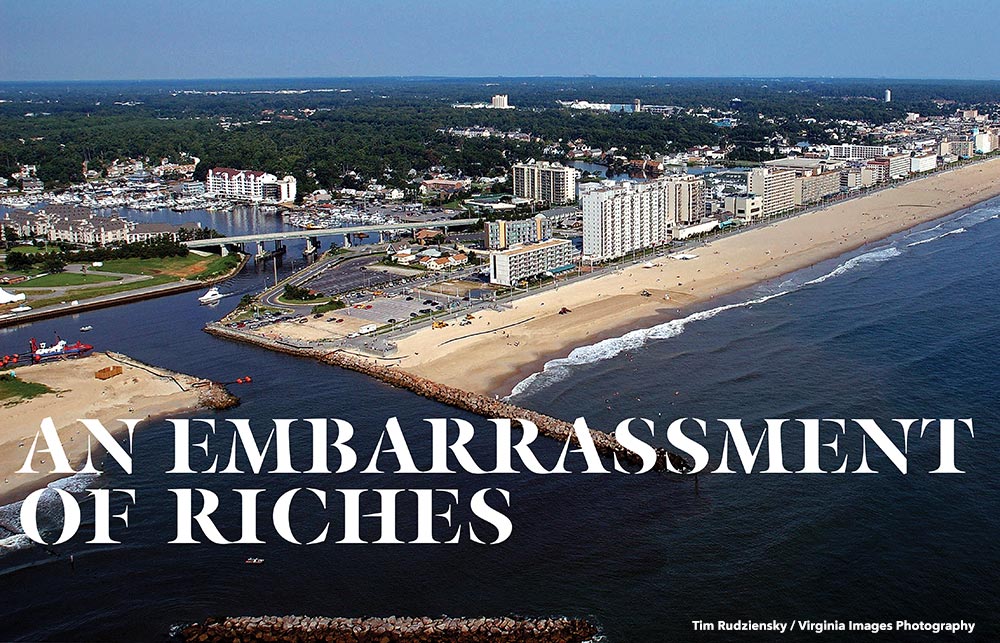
[
  {"x": 503, "y": 234},
  {"x": 859, "y": 152},
  {"x": 626, "y": 217},
  {"x": 893, "y": 166},
  {"x": 551, "y": 183},
  {"x": 923, "y": 162},
  {"x": 775, "y": 186},
  {"x": 512, "y": 266},
  {"x": 815, "y": 179},
  {"x": 249, "y": 185}
]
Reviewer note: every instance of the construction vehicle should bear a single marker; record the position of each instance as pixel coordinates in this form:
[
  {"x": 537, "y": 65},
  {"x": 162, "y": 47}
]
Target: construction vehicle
[{"x": 439, "y": 324}]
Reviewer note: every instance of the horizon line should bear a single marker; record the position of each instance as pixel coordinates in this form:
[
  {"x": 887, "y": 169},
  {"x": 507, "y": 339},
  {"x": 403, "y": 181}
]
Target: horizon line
[{"x": 495, "y": 77}]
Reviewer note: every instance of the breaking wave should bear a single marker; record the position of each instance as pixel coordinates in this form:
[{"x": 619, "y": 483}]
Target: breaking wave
[
  {"x": 11, "y": 538},
  {"x": 559, "y": 369},
  {"x": 875, "y": 256},
  {"x": 940, "y": 236}
]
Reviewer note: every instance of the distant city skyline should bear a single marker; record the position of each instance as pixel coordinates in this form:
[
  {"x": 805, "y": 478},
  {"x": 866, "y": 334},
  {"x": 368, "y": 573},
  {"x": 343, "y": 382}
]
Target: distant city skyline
[{"x": 116, "y": 40}]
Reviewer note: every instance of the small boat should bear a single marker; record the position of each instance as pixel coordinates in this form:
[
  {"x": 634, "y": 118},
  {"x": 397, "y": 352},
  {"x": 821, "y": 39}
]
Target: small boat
[
  {"x": 213, "y": 295},
  {"x": 84, "y": 329},
  {"x": 254, "y": 561},
  {"x": 20, "y": 309}
]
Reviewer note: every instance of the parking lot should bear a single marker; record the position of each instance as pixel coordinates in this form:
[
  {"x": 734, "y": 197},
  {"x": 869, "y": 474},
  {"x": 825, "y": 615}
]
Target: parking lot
[
  {"x": 351, "y": 275},
  {"x": 383, "y": 310}
]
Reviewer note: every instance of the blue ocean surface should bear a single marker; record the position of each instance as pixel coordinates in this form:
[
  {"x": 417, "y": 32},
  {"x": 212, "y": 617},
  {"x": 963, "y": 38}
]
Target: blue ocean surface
[{"x": 908, "y": 327}]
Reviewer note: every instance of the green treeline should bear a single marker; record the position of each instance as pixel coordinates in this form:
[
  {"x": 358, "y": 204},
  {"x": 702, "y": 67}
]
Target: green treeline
[{"x": 382, "y": 128}]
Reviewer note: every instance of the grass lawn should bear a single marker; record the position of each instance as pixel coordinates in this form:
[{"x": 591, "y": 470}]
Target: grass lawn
[
  {"x": 302, "y": 302},
  {"x": 87, "y": 293},
  {"x": 161, "y": 271},
  {"x": 13, "y": 390},
  {"x": 31, "y": 250},
  {"x": 66, "y": 279},
  {"x": 190, "y": 267},
  {"x": 334, "y": 304}
]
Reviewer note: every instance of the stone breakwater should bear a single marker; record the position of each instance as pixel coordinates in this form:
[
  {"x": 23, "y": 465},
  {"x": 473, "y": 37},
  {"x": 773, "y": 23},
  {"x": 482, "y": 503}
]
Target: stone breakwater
[
  {"x": 306, "y": 629},
  {"x": 551, "y": 427},
  {"x": 211, "y": 395}
]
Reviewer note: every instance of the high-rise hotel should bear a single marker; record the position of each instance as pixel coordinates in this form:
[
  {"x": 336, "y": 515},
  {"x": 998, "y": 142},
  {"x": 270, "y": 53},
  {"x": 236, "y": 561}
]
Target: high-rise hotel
[
  {"x": 776, "y": 186},
  {"x": 625, "y": 217},
  {"x": 548, "y": 182}
]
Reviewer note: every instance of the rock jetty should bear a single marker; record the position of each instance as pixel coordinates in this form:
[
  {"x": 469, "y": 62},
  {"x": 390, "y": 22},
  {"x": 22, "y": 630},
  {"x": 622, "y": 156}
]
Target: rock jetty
[
  {"x": 485, "y": 406},
  {"x": 392, "y": 629},
  {"x": 211, "y": 395}
]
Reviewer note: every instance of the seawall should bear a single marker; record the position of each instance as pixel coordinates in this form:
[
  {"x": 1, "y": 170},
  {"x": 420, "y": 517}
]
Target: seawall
[
  {"x": 392, "y": 629},
  {"x": 550, "y": 427}
]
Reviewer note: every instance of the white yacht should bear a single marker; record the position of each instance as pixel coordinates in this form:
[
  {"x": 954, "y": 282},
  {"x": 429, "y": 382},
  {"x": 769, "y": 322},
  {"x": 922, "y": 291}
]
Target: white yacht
[{"x": 213, "y": 295}]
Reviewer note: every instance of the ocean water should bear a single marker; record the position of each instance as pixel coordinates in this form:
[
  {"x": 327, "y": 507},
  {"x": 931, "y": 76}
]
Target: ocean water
[{"x": 909, "y": 327}]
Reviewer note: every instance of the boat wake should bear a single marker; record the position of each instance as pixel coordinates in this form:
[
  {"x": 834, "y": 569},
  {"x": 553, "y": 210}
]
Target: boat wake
[{"x": 559, "y": 369}]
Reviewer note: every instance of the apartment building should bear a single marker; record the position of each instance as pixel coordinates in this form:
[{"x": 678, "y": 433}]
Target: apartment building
[
  {"x": 503, "y": 234},
  {"x": 983, "y": 142},
  {"x": 625, "y": 217},
  {"x": 687, "y": 199},
  {"x": 859, "y": 152},
  {"x": 249, "y": 185},
  {"x": 551, "y": 183},
  {"x": 775, "y": 186},
  {"x": 514, "y": 265},
  {"x": 961, "y": 148},
  {"x": 813, "y": 188},
  {"x": 923, "y": 162},
  {"x": 90, "y": 232}
]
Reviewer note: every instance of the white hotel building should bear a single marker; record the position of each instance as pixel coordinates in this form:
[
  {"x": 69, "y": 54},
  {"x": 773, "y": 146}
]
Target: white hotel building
[
  {"x": 859, "y": 152},
  {"x": 510, "y": 267},
  {"x": 625, "y": 217},
  {"x": 249, "y": 185}
]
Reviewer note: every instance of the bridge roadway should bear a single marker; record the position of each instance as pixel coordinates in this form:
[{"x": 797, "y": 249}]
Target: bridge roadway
[{"x": 306, "y": 233}]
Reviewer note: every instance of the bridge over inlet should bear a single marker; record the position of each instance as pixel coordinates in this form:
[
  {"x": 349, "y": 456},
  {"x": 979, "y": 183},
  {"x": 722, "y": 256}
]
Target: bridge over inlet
[{"x": 312, "y": 235}]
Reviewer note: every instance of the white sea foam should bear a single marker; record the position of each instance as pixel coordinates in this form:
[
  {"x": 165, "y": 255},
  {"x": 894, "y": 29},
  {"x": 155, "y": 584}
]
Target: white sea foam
[
  {"x": 14, "y": 543},
  {"x": 935, "y": 238},
  {"x": 48, "y": 506},
  {"x": 559, "y": 369},
  {"x": 875, "y": 256}
]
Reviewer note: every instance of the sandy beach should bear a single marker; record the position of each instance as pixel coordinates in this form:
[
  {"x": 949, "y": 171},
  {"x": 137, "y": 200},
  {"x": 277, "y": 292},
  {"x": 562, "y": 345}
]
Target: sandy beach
[
  {"x": 519, "y": 340},
  {"x": 140, "y": 391}
]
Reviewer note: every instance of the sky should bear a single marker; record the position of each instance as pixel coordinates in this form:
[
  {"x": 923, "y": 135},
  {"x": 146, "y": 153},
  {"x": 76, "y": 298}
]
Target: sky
[{"x": 179, "y": 39}]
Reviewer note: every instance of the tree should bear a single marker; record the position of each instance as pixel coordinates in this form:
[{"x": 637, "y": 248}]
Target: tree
[
  {"x": 54, "y": 263},
  {"x": 10, "y": 236},
  {"x": 18, "y": 261}
]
